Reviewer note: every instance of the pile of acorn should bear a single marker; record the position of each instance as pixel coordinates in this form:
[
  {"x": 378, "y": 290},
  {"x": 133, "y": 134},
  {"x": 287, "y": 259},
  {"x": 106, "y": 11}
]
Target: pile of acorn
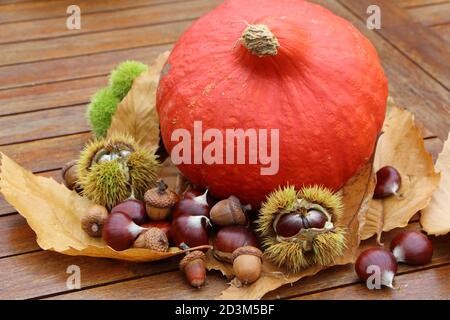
[{"x": 163, "y": 220}]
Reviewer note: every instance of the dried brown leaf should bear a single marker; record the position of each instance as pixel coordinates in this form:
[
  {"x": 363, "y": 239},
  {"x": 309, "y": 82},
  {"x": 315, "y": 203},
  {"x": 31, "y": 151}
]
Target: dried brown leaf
[
  {"x": 136, "y": 114},
  {"x": 435, "y": 218},
  {"x": 356, "y": 196},
  {"x": 401, "y": 146},
  {"x": 54, "y": 213}
]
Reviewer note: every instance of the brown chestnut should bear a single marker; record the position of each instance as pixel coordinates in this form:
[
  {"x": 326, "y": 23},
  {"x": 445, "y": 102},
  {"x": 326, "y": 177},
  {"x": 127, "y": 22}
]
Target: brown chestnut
[
  {"x": 370, "y": 259},
  {"x": 119, "y": 231},
  {"x": 230, "y": 238},
  {"x": 69, "y": 174},
  {"x": 412, "y": 247},
  {"x": 247, "y": 264},
  {"x": 197, "y": 206},
  {"x": 193, "y": 266},
  {"x": 229, "y": 211},
  {"x": 314, "y": 219},
  {"x": 289, "y": 225},
  {"x": 190, "y": 230},
  {"x": 388, "y": 182},
  {"x": 133, "y": 208}
]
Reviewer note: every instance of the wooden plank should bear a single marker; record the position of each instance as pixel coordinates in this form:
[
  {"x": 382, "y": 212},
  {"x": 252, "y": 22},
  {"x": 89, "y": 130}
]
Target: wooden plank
[
  {"x": 432, "y": 15},
  {"x": 171, "y": 285},
  {"x": 48, "y": 154},
  {"x": 94, "y": 42},
  {"x": 430, "y": 284},
  {"x": 34, "y": 10},
  {"x": 43, "y": 268},
  {"x": 417, "y": 3},
  {"x": 51, "y": 95},
  {"x": 410, "y": 86},
  {"x": 443, "y": 31},
  {"x": 7, "y": 209},
  {"x": 17, "y": 237},
  {"x": 44, "y": 273},
  {"x": 91, "y": 43},
  {"x": 34, "y": 73},
  {"x": 345, "y": 275},
  {"x": 43, "y": 124},
  {"x": 102, "y": 21},
  {"x": 430, "y": 53}
]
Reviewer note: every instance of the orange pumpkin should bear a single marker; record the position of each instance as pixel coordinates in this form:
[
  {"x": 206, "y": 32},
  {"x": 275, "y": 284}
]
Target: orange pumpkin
[{"x": 287, "y": 65}]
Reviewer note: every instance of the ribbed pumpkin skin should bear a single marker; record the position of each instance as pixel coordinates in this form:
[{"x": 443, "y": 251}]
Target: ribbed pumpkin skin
[{"x": 325, "y": 91}]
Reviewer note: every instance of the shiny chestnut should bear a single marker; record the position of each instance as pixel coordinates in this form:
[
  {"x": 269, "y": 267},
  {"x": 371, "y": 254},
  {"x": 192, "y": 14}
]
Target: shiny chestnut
[
  {"x": 388, "y": 182},
  {"x": 377, "y": 258},
  {"x": 230, "y": 238},
  {"x": 196, "y": 206},
  {"x": 412, "y": 247},
  {"x": 133, "y": 208},
  {"x": 190, "y": 230}
]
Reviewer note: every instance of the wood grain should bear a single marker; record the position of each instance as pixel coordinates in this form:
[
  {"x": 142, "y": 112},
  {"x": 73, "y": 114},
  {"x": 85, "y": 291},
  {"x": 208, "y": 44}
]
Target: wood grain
[
  {"x": 417, "y": 3},
  {"x": 430, "y": 284},
  {"x": 35, "y": 73},
  {"x": 43, "y": 124},
  {"x": 432, "y": 15},
  {"x": 431, "y": 52},
  {"x": 93, "y": 43},
  {"x": 48, "y": 154},
  {"x": 35, "y": 10},
  {"x": 443, "y": 31},
  {"x": 107, "y": 20}
]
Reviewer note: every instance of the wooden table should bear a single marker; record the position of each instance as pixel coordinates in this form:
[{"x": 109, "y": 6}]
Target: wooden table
[{"x": 48, "y": 73}]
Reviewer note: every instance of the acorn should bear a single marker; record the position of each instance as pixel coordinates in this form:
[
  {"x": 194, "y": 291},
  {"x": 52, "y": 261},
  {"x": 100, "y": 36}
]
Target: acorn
[
  {"x": 93, "y": 221},
  {"x": 112, "y": 169},
  {"x": 159, "y": 201},
  {"x": 247, "y": 264},
  {"x": 193, "y": 266},
  {"x": 229, "y": 212},
  {"x": 152, "y": 238},
  {"x": 69, "y": 174},
  {"x": 301, "y": 229}
]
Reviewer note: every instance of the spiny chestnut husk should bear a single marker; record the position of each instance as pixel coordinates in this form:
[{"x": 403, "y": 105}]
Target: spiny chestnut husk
[
  {"x": 112, "y": 169},
  {"x": 300, "y": 229}
]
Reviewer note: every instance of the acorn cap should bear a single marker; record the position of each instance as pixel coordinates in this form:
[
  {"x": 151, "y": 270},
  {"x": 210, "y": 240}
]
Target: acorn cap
[
  {"x": 154, "y": 239},
  {"x": 160, "y": 196},
  {"x": 246, "y": 250},
  {"x": 191, "y": 256}
]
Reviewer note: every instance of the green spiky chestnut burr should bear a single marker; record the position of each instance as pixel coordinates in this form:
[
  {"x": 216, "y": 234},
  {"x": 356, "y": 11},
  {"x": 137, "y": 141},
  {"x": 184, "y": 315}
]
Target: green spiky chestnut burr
[
  {"x": 121, "y": 78},
  {"x": 100, "y": 111},
  {"x": 301, "y": 228},
  {"x": 111, "y": 170}
]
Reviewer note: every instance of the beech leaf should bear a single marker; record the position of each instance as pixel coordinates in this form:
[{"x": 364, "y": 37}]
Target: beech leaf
[
  {"x": 136, "y": 114},
  {"x": 54, "y": 213},
  {"x": 401, "y": 146},
  {"x": 435, "y": 218},
  {"x": 356, "y": 197}
]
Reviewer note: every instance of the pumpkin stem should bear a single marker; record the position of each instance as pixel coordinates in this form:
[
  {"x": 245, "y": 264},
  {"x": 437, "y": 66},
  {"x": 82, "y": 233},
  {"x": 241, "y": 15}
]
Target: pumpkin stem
[{"x": 259, "y": 40}]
